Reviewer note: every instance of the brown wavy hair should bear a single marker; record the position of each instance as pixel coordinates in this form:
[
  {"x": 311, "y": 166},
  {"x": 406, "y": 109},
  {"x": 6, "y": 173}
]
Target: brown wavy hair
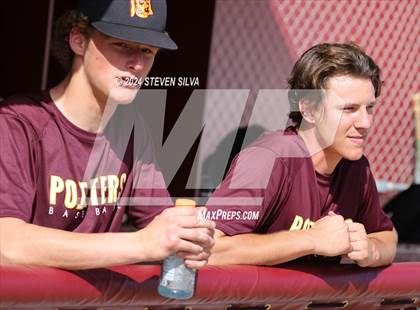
[
  {"x": 60, "y": 42},
  {"x": 323, "y": 61}
]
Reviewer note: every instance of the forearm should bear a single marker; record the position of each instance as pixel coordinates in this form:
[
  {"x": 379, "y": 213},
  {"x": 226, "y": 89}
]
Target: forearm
[
  {"x": 383, "y": 248},
  {"x": 35, "y": 245},
  {"x": 256, "y": 249}
]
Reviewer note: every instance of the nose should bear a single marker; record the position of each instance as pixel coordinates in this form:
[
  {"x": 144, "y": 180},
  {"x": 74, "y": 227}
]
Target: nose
[
  {"x": 364, "y": 118},
  {"x": 136, "y": 62}
]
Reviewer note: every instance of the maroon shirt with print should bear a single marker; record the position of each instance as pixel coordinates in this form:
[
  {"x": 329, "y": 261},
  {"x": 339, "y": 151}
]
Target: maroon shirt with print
[
  {"x": 272, "y": 186},
  {"x": 56, "y": 175}
]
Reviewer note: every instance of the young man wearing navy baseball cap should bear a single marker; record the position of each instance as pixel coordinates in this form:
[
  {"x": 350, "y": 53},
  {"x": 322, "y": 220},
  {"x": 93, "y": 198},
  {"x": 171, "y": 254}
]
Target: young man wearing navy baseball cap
[{"x": 71, "y": 163}]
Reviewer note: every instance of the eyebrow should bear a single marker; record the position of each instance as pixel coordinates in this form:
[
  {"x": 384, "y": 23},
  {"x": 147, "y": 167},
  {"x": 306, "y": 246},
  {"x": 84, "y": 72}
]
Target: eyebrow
[{"x": 374, "y": 102}]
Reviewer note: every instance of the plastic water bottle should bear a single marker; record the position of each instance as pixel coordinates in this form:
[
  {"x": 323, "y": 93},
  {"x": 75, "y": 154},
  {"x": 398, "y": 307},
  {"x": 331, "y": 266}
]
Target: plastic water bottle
[{"x": 176, "y": 280}]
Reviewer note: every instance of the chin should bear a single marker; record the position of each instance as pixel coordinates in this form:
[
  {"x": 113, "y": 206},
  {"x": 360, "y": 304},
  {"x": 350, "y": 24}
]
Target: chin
[
  {"x": 353, "y": 154},
  {"x": 123, "y": 96}
]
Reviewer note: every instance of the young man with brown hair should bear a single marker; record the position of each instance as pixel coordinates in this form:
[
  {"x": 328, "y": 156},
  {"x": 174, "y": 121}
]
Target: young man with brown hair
[
  {"x": 71, "y": 163},
  {"x": 310, "y": 185}
]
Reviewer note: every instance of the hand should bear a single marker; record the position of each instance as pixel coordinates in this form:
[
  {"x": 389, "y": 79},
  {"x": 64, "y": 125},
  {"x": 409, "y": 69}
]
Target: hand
[
  {"x": 178, "y": 230},
  {"x": 199, "y": 260},
  {"x": 362, "y": 249},
  {"x": 330, "y": 235}
]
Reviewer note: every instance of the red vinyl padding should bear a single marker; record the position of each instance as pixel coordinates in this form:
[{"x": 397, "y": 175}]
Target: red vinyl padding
[{"x": 290, "y": 286}]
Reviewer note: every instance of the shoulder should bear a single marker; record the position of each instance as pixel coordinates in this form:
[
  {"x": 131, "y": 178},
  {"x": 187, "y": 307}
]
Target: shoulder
[
  {"x": 283, "y": 144},
  {"x": 28, "y": 110},
  {"x": 255, "y": 165},
  {"x": 271, "y": 157},
  {"x": 285, "y": 149}
]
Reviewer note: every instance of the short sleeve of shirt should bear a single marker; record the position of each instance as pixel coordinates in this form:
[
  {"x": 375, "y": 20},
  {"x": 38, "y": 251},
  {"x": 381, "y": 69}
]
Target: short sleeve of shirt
[
  {"x": 246, "y": 198},
  {"x": 371, "y": 214},
  {"x": 17, "y": 167},
  {"x": 149, "y": 195}
]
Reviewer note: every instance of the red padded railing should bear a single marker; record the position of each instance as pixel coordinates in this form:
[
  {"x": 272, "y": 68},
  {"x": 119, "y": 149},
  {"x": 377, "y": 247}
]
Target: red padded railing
[{"x": 290, "y": 286}]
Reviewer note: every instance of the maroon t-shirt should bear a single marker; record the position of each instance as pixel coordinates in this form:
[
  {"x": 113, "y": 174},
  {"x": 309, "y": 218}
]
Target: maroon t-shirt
[
  {"x": 54, "y": 174},
  {"x": 272, "y": 186}
]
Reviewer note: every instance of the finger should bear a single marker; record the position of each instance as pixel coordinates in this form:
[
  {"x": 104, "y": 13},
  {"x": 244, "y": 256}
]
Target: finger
[
  {"x": 331, "y": 213},
  {"x": 357, "y": 255},
  {"x": 358, "y": 236},
  {"x": 187, "y": 255},
  {"x": 195, "y": 264},
  {"x": 357, "y": 239},
  {"x": 360, "y": 245},
  {"x": 188, "y": 246},
  {"x": 211, "y": 225},
  {"x": 197, "y": 235},
  {"x": 208, "y": 245},
  {"x": 353, "y": 227},
  {"x": 204, "y": 255},
  {"x": 349, "y": 221}
]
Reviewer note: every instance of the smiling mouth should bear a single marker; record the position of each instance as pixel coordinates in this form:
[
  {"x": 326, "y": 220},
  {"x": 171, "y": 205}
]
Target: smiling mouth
[{"x": 357, "y": 140}]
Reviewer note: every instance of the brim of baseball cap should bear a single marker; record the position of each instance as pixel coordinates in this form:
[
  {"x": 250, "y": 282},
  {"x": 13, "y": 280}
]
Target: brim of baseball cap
[{"x": 138, "y": 35}]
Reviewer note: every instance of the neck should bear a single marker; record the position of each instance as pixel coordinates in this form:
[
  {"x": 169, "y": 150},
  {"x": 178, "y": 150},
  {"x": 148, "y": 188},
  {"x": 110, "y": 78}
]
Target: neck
[
  {"x": 76, "y": 99},
  {"x": 323, "y": 158}
]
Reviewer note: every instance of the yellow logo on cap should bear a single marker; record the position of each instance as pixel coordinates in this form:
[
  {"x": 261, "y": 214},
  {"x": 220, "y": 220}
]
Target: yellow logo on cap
[{"x": 141, "y": 8}]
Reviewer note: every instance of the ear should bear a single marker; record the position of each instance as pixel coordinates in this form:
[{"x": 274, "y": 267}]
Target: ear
[
  {"x": 306, "y": 108},
  {"x": 77, "y": 42}
]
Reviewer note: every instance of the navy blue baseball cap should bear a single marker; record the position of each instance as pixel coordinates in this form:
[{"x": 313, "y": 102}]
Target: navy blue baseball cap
[{"x": 140, "y": 21}]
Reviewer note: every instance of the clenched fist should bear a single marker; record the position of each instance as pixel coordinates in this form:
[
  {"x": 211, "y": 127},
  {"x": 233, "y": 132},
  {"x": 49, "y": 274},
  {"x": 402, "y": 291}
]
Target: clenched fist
[{"x": 330, "y": 235}]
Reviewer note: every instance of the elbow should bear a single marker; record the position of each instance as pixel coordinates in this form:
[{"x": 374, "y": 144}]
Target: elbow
[
  {"x": 9, "y": 255},
  {"x": 11, "y": 245},
  {"x": 394, "y": 246}
]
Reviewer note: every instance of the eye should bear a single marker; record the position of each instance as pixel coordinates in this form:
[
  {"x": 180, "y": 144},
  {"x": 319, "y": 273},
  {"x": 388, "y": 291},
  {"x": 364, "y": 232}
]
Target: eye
[
  {"x": 148, "y": 51},
  {"x": 349, "y": 109},
  {"x": 122, "y": 45}
]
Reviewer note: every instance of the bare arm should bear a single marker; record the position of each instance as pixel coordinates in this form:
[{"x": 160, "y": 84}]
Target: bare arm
[
  {"x": 176, "y": 229},
  {"x": 28, "y": 244},
  {"x": 255, "y": 249},
  {"x": 385, "y": 243},
  {"x": 328, "y": 237}
]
